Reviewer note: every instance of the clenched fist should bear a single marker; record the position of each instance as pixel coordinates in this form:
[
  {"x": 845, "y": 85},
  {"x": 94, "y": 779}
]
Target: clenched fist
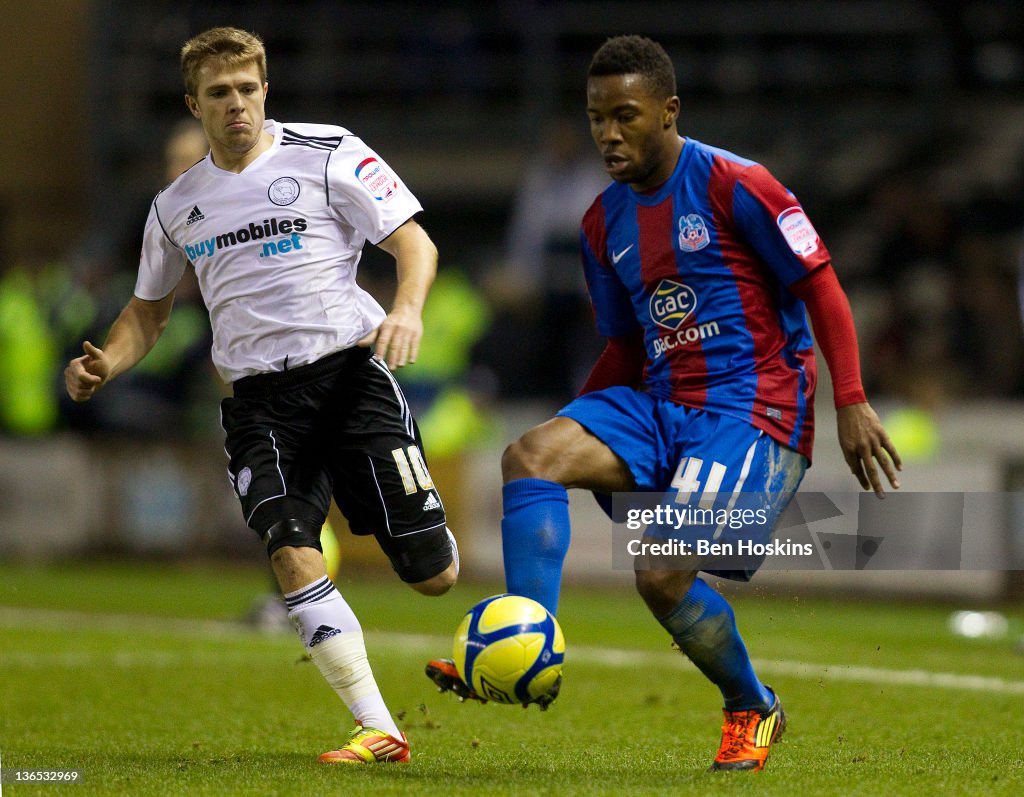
[{"x": 86, "y": 374}]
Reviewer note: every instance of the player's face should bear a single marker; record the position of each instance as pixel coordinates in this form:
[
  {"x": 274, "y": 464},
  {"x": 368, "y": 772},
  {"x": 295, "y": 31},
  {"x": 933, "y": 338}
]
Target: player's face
[
  {"x": 229, "y": 101},
  {"x": 635, "y": 132}
]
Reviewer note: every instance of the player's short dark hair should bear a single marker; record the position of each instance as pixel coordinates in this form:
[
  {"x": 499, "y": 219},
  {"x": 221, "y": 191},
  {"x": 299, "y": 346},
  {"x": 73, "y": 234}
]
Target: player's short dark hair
[{"x": 636, "y": 55}]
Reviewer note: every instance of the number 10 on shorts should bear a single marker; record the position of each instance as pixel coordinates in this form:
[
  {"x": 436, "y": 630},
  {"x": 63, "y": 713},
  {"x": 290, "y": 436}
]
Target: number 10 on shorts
[{"x": 412, "y": 469}]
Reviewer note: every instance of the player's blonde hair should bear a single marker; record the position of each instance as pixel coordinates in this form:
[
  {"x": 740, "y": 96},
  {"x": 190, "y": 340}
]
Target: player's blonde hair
[{"x": 231, "y": 46}]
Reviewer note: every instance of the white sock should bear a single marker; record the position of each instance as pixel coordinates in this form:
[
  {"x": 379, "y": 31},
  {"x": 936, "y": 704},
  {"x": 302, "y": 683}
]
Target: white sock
[{"x": 332, "y": 635}]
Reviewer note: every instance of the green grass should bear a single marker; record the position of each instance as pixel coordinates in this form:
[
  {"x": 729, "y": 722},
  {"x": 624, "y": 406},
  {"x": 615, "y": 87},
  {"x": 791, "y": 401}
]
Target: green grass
[{"x": 145, "y": 703}]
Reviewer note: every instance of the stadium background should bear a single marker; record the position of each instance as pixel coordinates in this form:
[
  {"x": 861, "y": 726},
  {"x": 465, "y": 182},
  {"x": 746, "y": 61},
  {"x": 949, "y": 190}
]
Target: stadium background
[
  {"x": 125, "y": 569},
  {"x": 900, "y": 125}
]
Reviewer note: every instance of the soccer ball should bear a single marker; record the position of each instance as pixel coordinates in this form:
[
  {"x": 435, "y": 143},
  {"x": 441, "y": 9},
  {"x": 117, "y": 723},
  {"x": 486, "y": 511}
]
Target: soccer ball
[{"x": 509, "y": 649}]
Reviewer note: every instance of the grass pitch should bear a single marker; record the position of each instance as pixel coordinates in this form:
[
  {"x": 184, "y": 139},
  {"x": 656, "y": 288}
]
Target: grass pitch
[{"x": 142, "y": 677}]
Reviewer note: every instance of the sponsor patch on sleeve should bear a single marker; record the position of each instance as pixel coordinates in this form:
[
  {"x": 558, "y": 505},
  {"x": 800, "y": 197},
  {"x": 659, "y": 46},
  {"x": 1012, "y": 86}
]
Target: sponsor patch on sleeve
[
  {"x": 798, "y": 231},
  {"x": 376, "y": 179}
]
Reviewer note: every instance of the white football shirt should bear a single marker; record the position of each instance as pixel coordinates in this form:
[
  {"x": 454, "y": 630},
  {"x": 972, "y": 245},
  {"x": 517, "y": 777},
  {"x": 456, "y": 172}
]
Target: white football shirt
[{"x": 276, "y": 247}]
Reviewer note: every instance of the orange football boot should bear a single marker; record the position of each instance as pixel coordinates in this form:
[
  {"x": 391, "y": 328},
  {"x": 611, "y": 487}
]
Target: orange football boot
[{"x": 747, "y": 738}]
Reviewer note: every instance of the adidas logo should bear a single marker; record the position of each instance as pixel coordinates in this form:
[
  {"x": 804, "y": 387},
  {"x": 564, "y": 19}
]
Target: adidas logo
[
  {"x": 194, "y": 216},
  {"x": 432, "y": 502},
  {"x": 323, "y": 633}
]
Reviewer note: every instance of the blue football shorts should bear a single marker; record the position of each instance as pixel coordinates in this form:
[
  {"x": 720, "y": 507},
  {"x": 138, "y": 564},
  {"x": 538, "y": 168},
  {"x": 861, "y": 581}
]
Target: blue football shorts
[{"x": 698, "y": 460}]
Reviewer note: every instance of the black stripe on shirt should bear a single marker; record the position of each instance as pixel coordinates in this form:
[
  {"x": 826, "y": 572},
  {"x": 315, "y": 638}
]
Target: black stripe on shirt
[{"x": 326, "y": 143}]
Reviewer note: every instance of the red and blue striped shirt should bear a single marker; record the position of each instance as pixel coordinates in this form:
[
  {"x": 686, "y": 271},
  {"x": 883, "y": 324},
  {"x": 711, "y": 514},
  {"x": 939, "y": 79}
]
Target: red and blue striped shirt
[{"x": 703, "y": 265}]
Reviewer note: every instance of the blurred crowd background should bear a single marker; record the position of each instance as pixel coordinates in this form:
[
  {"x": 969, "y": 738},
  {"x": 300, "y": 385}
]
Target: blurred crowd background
[{"x": 898, "y": 123}]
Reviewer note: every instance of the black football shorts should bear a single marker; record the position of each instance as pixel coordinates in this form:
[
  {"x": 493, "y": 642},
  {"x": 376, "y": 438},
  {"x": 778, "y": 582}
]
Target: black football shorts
[{"x": 341, "y": 427}]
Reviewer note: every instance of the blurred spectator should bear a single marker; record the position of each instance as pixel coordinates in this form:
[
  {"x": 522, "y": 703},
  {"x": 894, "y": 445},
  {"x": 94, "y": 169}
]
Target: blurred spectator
[
  {"x": 157, "y": 398},
  {"x": 541, "y": 310},
  {"x": 988, "y": 339},
  {"x": 448, "y": 398},
  {"x": 914, "y": 263},
  {"x": 943, "y": 282},
  {"x": 28, "y": 404},
  {"x": 42, "y": 309},
  {"x": 184, "y": 148}
]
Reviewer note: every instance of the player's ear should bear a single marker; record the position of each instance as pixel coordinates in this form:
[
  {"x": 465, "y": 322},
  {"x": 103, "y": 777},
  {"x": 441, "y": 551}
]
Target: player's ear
[
  {"x": 193, "y": 106},
  {"x": 670, "y": 112}
]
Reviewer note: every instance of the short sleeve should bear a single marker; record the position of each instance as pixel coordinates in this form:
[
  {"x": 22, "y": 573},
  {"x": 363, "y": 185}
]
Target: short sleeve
[
  {"x": 161, "y": 263},
  {"x": 364, "y": 191}
]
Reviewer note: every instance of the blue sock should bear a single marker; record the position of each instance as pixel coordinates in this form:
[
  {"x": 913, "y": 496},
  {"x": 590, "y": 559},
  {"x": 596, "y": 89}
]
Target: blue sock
[
  {"x": 704, "y": 627},
  {"x": 535, "y": 538}
]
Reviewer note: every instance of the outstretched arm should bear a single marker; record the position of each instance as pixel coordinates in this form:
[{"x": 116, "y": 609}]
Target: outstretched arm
[
  {"x": 131, "y": 337},
  {"x": 863, "y": 439},
  {"x": 398, "y": 338}
]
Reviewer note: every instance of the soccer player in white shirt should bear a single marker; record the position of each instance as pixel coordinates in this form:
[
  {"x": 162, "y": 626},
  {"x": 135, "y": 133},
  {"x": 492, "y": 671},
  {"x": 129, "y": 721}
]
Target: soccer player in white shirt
[{"x": 274, "y": 220}]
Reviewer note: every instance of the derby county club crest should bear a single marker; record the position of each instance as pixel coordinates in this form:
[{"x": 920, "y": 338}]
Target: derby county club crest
[{"x": 283, "y": 191}]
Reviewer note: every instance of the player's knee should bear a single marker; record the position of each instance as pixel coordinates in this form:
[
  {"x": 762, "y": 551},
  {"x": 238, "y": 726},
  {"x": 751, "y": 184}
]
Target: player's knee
[
  {"x": 286, "y": 558},
  {"x": 513, "y": 461},
  {"x": 528, "y": 457},
  {"x": 291, "y": 535},
  {"x": 663, "y": 589},
  {"x": 649, "y": 584},
  {"x": 439, "y": 584},
  {"x": 293, "y": 546},
  {"x": 295, "y": 567}
]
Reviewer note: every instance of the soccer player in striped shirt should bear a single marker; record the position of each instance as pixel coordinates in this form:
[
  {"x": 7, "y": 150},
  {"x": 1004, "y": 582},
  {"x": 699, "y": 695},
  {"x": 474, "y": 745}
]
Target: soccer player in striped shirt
[{"x": 701, "y": 269}]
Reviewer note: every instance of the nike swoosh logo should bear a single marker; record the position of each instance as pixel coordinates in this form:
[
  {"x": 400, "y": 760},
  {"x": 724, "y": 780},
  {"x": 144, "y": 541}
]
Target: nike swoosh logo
[{"x": 617, "y": 256}]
